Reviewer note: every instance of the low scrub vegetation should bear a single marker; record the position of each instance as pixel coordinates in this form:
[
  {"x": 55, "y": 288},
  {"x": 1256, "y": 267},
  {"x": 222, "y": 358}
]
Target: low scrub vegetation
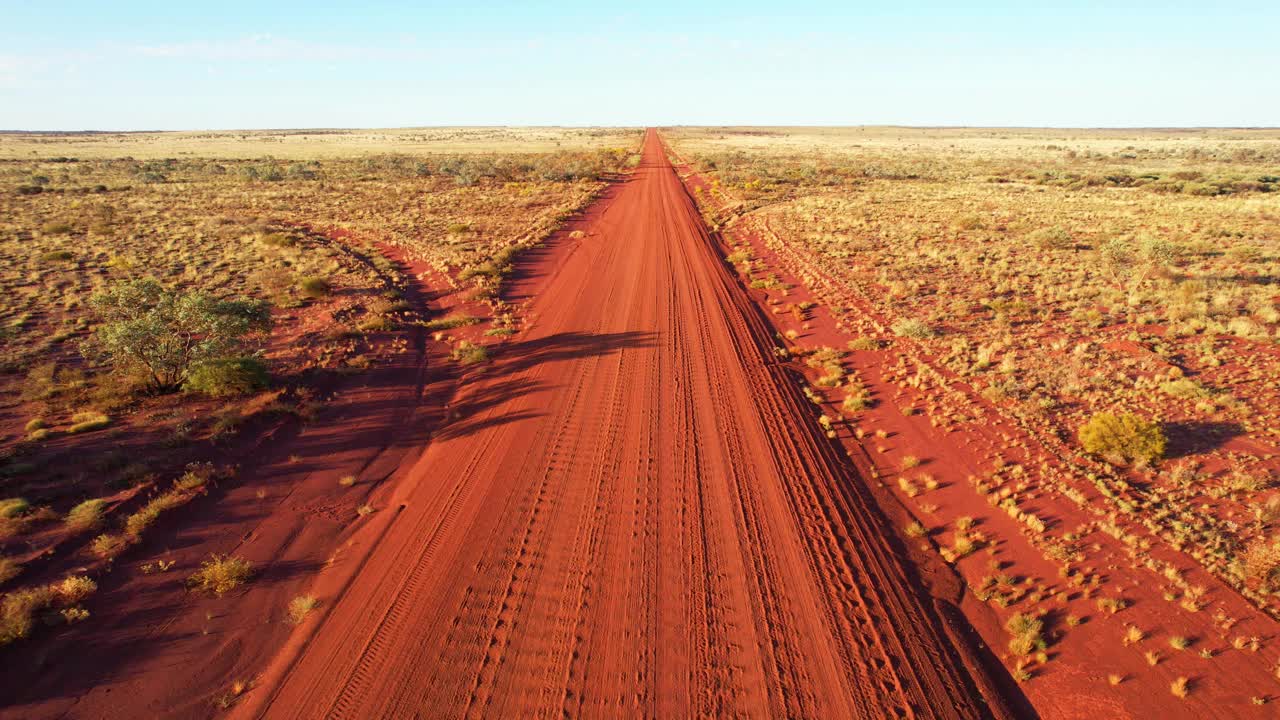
[
  {"x": 1125, "y": 437},
  {"x": 221, "y": 574},
  {"x": 159, "y": 336},
  {"x": 22, "y": 610}
]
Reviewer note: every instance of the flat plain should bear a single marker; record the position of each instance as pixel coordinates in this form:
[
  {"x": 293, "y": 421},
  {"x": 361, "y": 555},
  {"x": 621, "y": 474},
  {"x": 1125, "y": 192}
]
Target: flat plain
[
  {"x": 814, "y": 422},
  {"x": 1059, "y": 348}
]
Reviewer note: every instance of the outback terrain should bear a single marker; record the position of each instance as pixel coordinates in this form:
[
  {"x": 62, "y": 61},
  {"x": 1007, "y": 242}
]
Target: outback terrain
[
  {"x": 1059, "y": 350},
  {"x": 523, "y": 422}
]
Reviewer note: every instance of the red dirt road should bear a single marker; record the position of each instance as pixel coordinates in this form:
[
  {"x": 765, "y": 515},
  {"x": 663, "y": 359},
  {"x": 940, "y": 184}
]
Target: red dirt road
[{"x": 632, "y": 513}]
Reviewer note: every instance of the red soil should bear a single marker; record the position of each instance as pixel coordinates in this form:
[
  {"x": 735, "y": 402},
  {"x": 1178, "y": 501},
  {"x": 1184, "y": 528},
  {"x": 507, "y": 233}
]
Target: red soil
[
  {"x": 1075, "y": 682},
  {"x": 632, "y": 512}
]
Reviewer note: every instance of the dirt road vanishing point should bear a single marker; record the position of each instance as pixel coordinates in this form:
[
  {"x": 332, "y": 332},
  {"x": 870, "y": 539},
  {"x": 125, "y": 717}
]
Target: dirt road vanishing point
[{"x": 633, "y": 514}]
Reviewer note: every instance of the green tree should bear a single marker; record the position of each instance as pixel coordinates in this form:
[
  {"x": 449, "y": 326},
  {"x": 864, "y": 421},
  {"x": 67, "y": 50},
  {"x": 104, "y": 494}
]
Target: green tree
[{"x": 159, "y": 335}]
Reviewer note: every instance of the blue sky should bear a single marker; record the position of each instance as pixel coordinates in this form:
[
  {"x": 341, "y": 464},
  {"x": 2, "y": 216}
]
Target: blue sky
[{"x": 233, "y": 64}]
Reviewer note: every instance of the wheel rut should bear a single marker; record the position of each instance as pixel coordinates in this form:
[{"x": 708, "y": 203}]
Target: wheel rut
[{"x": 649, "y": 523}]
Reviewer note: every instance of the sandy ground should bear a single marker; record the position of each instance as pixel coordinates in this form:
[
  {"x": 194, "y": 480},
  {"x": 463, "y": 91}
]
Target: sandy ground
[
  {"x": 630, "y": 511},
  {"x": 632, "y": 515}
]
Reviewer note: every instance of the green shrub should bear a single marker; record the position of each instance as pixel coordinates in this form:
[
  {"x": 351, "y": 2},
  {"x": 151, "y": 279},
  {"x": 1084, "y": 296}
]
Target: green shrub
[
  {"x": 227, "y": 377},
  {"x": 142, "y": 320},
  {"x": 314, "y": 287},
  {"x": 1126, "y": 437}
]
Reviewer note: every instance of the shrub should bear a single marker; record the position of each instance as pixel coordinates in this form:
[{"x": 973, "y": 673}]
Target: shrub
[
  {"x": 13, "y": 507},
  {"x": 469, "y": 353},
  {"x": 912, "y": 328},
  {"x": 1052, "y": 238},
  {"x": 277, "y": 239},
  {"x": 56, "y": 227},
  {"x": 139, "y": 521},
  {"x": 376, "y": 323},
  {"x": 56, "y": 256},
  {"x": 86, "y": 515},
  {"x": 108, "y": 545},
  {"x": 228, "y": 376},
  {"x": 88, "y": 421},
  {"x": 160, "y": 335},
  {"x": 1025, "y": 632},
  {"x": 19, "y": 609},
  {"x": 221, "y": 574},
  {"x": 1127, "y": 437},
  {"x": 450, "y": 322},
  {"x": 9, "y": 569},
  {"x": 300, "y": 607},
  {"x": 1261, "y": 562},
  {"x": 314, "y": 287}
]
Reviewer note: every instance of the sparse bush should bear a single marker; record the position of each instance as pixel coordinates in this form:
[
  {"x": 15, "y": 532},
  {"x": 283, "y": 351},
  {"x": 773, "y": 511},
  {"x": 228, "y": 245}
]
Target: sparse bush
[
  {"x": 468, "y": 353},
  {"x": 87, "y": 421},
  {"x": 13, "y": 507},
  {"x": 221, "y": 574},
  {"x": 1261, "y": 562},
  {"x": 19, "y": 609},
  {"x": 300, "y": 607},
  {"x": 86, "y": 515},
  {"x": 314, "y": 287},
  {"x": 161, "y": 335},
  {"x": 226, "y": 377},
  {"x": 56, "y": 256},
  {"x": 912, "y": 328},
  {"x": 1051, "y": 238},
  {"x": 9, "y": 569},
  {"x": 1025, "y": 634},
  {"x": 109, "y": 545},
  {"x": 450, "y": 322},
  {"x": 1125, "y": 437},
  {"x": 277, "y": 239}
]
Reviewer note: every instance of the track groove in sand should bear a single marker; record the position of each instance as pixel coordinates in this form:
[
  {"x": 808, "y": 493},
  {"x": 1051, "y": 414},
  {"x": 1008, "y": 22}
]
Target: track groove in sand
[{"x": 650, "y": 523}]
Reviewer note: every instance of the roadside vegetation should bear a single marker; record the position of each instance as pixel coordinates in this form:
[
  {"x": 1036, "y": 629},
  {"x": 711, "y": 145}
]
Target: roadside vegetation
[
  {"x": 160, "y": 293},
  {"x": 1086, "y": 324}
]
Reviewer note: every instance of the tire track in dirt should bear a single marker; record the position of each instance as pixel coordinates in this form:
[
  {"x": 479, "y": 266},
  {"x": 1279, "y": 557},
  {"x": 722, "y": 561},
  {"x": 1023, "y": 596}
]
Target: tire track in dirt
[{"x": 649, "y": 523}]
